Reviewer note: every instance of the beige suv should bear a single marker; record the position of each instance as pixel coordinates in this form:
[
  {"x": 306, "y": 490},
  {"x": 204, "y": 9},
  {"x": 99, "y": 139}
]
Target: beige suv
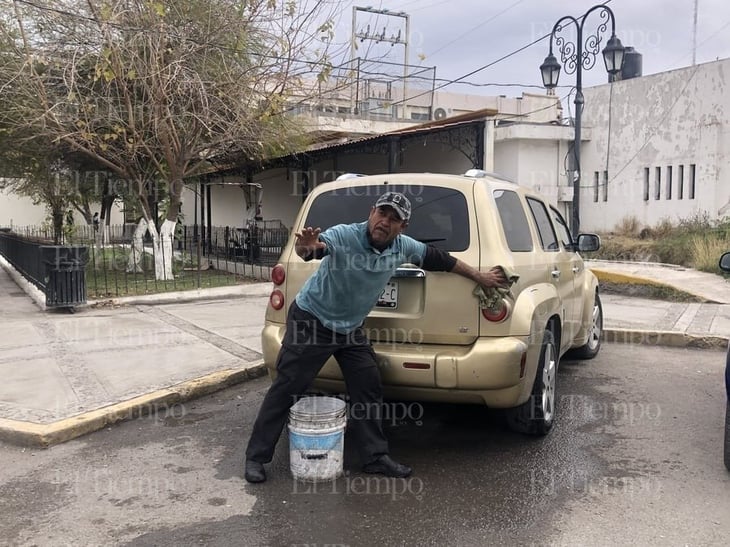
[{"x": 433, "y": 339}]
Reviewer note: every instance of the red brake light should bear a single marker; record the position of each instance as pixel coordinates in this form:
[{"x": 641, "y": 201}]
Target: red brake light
[
  {"x": 497, "y": 313},
  {"x": 278, "y": 274},
  {"x": 276, "y": 299}
]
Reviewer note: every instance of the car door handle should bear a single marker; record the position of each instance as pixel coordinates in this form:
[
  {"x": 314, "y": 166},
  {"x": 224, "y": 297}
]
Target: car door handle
[{"x": 555, "y": 274}]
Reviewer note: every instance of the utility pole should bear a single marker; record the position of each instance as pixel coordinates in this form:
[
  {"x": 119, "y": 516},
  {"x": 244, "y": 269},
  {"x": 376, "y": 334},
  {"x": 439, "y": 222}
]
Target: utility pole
[{"x": 376, "y": 36}]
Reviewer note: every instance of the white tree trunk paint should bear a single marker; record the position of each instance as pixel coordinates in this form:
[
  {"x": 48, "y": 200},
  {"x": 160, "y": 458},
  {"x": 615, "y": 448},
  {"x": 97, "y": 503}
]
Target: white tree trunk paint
[
  {"x": 163, "y": 250},
  {"x": 135, "y": 255}
]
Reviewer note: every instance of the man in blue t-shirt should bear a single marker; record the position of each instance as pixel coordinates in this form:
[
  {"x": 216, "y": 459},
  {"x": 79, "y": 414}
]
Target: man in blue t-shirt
[{"x": 326, "y": 319}]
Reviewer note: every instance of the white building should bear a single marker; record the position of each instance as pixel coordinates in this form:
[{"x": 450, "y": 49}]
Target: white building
[
  {"x": 659, "y": 147},
  {"x": 463, "y": 137}
]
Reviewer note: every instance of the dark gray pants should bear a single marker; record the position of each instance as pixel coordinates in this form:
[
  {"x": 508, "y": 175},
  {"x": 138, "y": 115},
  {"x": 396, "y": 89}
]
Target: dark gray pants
[{"x": 306, "y": 347}]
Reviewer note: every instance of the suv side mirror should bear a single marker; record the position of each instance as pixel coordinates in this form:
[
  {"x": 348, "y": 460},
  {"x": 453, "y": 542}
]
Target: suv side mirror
[
  {"x": 588, "y": 243},
  {"x": 725, "y": 262}
]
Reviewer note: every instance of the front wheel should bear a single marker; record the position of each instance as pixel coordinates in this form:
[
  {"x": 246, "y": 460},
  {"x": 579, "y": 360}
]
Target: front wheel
[{"x": 536, "y": 415}]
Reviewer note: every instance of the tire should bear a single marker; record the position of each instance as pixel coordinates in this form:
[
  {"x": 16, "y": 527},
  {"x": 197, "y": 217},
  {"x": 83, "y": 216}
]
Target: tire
[
  {"x": 537, "y": 415},
  {"x": 727, "y": 436},
  {"x": 593, "y": 345}
]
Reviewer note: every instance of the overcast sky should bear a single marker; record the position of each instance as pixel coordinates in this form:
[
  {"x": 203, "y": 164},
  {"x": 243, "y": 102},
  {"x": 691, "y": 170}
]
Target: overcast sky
[{"x": 459, "y": 36}]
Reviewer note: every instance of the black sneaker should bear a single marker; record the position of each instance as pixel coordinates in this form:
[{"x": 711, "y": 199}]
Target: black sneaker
[
  {"x": 254, "y": 471},
  {"x": 385, "y": 465}
]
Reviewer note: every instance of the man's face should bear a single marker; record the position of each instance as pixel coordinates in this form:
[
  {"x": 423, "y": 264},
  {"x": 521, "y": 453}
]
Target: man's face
[{"x": 384, "y": 225}]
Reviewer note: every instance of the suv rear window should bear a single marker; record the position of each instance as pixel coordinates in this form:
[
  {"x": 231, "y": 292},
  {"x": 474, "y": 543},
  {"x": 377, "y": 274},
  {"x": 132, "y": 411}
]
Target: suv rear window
[{"x": 439, "y": 216}]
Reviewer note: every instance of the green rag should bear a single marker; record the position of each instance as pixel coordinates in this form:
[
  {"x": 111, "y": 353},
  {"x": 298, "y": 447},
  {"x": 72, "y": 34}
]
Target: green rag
[{"x": 488, "y": 298}]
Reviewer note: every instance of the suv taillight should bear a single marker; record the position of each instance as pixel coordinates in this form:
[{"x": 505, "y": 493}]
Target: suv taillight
[
  {"x": 498, "y": 312},
  {"x": 276, "y": 299},
  {"x": 278, "y": 274}
]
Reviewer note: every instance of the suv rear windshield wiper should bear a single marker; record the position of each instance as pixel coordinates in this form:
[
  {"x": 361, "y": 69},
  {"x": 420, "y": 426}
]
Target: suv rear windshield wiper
[{"x": 430, "y": 240}]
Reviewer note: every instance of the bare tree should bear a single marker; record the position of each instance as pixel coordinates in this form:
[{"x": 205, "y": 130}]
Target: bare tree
[{"x": 160, "y": 91}]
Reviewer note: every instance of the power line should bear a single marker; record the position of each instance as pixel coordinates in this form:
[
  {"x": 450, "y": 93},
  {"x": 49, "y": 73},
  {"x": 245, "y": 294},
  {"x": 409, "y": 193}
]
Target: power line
[
  {"x": 462, "y": 35},
  {"x": 484, "y": 67}
]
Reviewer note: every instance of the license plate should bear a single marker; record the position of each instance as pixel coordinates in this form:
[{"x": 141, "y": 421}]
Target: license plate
[{"x": 389, "y": 296}]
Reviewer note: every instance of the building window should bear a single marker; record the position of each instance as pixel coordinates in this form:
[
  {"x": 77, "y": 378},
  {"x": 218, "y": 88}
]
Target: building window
[
  {"x": 595, "y": 186},
  {"x": 692, "y": 172},
  {"x": 605, "y": 186},
  {"x": 680, "y": 182},
  {"x": 646, "y": 184},
  {"x": 669, "y": 182},
  {"x": 657, "y": 183}
]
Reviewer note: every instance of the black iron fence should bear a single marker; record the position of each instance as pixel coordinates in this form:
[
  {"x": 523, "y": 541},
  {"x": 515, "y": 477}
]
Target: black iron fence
[
  {"x": 58, "y": 270},
  {"x": 116, "y": 266},
  {"x": 24, "y": 255}
]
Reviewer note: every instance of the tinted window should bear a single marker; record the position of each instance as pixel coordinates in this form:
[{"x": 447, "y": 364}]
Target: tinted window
[
  {"x": 562, "y": 229},
  {"x": 544, "y": 226},
  {"x": 439, "y": 216},
  {"x": 514, "y": 221}
]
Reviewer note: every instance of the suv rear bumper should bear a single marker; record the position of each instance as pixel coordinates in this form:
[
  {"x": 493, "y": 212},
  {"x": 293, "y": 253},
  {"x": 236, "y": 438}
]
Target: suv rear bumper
[{"x": 498, "y": 372}]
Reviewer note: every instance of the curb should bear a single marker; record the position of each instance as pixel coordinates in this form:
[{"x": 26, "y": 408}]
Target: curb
[
  {"x": 629, "y": 279},
  {"x": 258, "y": 288},
  {"x": 44, "y": 435},
  {"x": 607, "y": 276},
  {"x": 664, "y": 338}
]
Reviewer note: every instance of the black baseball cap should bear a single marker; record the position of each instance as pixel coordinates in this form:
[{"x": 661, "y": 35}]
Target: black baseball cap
[{"x": 397, "y": 201}]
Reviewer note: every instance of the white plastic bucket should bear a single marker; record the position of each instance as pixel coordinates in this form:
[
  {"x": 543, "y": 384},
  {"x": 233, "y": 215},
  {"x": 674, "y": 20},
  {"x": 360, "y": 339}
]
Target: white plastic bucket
[{"x": 316, "y": 438}]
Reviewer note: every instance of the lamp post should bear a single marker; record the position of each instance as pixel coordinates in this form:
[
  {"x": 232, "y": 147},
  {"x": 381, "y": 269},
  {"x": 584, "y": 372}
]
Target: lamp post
[{"x": 576, "y": 56}]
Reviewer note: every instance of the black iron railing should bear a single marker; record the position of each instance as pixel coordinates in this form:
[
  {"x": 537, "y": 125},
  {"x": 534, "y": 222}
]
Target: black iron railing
[
  {"x": 116, "y": 266},
  {"x": 24, "y": 255}
]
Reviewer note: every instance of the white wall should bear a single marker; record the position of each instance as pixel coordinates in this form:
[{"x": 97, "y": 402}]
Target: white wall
[
  {"x": 20, "y": 211},
  {"x": 676, "y": 118},
  {"x": 282, "y": 194},
  {"x": 533, "y": 156}
]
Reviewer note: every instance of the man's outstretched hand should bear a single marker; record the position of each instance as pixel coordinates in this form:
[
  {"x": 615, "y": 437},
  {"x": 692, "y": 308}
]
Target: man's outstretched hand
[
  {"x": 493, "y": 278},
  {"x": 307, "y": 241}
]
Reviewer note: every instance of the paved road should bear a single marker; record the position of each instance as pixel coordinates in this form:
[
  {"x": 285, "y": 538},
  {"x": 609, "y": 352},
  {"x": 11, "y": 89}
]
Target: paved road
[{"x": 635, "y": 459}]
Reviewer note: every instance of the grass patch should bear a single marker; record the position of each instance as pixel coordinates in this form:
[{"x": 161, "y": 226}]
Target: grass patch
[
  {"x": 706, "y": 252},
  {"x": 695, "y": 242},
  {"x": 111, "y": 284},
  {"x": 107, "y": 276}
]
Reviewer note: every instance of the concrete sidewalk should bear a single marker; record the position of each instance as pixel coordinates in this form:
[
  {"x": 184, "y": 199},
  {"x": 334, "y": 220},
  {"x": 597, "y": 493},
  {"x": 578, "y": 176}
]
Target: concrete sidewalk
[
  {"x": 706, "y": 286},
  {"x": 65, "y": 375}
]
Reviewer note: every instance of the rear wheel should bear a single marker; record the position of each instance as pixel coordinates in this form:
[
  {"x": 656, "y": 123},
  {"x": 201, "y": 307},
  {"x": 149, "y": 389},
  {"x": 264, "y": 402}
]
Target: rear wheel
[
  {"x": 593, "y": 345},
  {"x": 536, "y": 415}
]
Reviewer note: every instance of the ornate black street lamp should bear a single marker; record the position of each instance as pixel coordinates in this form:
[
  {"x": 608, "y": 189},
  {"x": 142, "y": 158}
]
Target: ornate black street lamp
[{"x": 576, "y": 56}]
